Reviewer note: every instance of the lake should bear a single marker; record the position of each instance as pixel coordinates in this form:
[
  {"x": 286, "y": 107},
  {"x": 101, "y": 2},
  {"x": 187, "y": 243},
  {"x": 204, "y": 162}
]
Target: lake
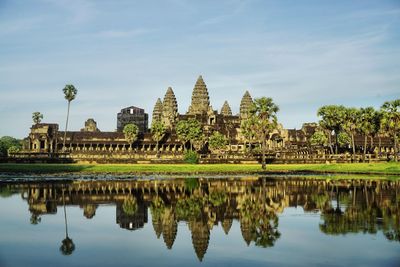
[{"x": 246, "y": 221}]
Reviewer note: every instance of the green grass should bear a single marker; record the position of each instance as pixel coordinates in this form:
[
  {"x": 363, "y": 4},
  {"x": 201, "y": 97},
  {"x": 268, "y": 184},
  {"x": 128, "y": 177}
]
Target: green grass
[{"x": 360, "y": 168}]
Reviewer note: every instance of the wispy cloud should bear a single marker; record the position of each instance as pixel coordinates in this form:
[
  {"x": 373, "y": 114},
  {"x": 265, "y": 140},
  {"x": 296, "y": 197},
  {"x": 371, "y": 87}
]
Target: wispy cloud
[{"x": 121, "y": 33}]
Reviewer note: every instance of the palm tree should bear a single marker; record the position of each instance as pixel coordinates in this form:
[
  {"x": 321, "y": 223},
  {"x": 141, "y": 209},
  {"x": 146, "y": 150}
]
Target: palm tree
[
  {"x": 367, "y": 127},
  {"x": 67, "y": 245},
  {"x": 263, "y": 114},
  {"x": 391, "y": 121},
  {"x": 37, "y": 117},
  {"x": 69, "y": 94},
  {"x": 332, "y": 120},
  {"x": 351, "y": 124},
  {"x": 131, "y": 133}
]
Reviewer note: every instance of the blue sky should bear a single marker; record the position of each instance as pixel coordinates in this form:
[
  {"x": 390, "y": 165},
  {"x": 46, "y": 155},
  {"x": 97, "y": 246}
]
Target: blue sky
[{"x": 303, "y": 54}]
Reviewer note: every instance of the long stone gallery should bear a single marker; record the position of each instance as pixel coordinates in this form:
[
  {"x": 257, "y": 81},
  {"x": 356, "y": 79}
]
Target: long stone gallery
[{"x": 45, "y": 142}]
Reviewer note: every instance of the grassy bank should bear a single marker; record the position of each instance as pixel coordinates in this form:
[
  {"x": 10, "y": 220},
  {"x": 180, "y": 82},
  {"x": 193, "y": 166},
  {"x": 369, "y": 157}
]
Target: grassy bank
[{"x": 360, "y": 168}]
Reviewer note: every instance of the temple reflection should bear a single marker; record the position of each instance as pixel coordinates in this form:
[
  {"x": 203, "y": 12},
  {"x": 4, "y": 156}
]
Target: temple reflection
[{"x": 345, "y": 206}]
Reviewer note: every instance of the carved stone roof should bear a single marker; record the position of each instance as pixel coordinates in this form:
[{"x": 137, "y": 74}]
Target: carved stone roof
[
  {"x": 226, "y": 109},
  {"x": 157, "y": 111},
  {"x": 170, "y": 108},
  {"x": 245, "y": 104},
  {"x": 200, "y": 99}
]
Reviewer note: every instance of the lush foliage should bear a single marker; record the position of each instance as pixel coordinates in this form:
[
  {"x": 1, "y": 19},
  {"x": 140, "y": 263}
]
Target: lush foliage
[
  {"x": 332, "y": 118},
  {"x": 391, "y": 121},
  {"x": 191, "y": 157},
  {"x": 344, "y": 139},
  {"x": 7, "y": 142},
  {"x": 37, "y": 117},
  {"x": 190, "y": 131},
  {"x": 131, "y": 133},
  {"x": 319, "y": 139},
  {"x": 158, "y": 131},
  {"x": 217, "y": 141}
]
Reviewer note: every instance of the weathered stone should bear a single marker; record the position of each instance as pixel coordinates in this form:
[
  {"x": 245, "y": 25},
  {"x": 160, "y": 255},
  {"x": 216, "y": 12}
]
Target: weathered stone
[
  {"x": 157, "y": 111},
  {"x": 133, "y": 115},
  {"x": 90, "y": 126},
  {"x": 226, "y": 109},
  {"x": 170, "y": 109},
  {"x": 245, "y": 105},
  {"x": 200, "y": 99}
]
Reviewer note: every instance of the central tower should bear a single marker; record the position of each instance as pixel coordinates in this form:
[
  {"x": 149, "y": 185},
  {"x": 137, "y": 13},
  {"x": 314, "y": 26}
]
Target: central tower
[{"x": 200, "y": 99}]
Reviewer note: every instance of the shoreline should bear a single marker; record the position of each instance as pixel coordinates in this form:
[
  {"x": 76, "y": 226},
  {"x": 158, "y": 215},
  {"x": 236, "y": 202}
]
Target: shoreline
[{"x": 383, "y": 169}]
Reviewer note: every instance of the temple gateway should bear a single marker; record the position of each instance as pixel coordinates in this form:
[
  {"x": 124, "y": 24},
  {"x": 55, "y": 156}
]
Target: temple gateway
[{"x": 45, "y": 141}]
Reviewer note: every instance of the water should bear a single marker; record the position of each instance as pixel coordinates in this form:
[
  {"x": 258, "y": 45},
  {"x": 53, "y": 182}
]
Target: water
[{"x": 200, "y": 222}]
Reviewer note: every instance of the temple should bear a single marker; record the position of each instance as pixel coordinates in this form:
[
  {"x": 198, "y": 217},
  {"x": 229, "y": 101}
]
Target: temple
[{"x": 45, "y": 140}]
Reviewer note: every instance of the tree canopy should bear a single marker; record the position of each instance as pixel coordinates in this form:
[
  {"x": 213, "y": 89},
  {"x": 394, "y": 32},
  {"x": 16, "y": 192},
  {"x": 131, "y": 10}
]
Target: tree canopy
[{"x": 131, "y": 133}]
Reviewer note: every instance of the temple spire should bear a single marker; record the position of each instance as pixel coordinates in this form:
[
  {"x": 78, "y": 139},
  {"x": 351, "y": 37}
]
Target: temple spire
[
  {"x": 245, "y": 105},
  {"x": 226, "y": 109},
  {"x": 170, "y": 109},
  {"x": 200, "y": 100},
  {"x": 157, "y": 111}
]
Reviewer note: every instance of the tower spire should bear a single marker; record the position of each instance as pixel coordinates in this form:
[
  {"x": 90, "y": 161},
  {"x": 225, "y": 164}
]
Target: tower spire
[{"x": 200, "y": 100}]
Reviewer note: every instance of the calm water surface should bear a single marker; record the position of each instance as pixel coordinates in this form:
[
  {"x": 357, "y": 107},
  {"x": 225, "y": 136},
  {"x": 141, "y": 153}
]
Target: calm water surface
[{"x": 200, "y": 222}]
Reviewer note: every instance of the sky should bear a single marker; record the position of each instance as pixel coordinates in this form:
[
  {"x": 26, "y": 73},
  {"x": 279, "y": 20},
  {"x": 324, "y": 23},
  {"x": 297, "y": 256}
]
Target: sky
[{"x": 302, "y": 54}]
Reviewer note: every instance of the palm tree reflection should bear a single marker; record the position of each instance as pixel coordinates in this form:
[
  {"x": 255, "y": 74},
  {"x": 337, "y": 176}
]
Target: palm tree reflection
[{"x": 67, "y": 245}]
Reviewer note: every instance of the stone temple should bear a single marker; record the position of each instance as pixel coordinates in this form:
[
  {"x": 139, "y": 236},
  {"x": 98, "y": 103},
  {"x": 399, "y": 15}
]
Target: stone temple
[{"x": 45, "y": 140}]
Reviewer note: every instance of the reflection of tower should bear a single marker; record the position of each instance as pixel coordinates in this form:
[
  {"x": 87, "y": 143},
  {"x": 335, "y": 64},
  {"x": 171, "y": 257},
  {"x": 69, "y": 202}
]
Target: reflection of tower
[
  {"x": 134, "y": 221},
  {"x": 200, "y": 237},
  {"x": 245, "y": 228},
  {"x": 156, "y": 221},
  {"x": 89, "y": 210},
  {"x": 169, "y": 227},
  {"x": 226, "y": 225}
]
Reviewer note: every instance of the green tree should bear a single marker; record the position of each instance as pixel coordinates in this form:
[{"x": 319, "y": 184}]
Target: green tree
[
  {"x": 13, "y": 149},
  {"x": 351, "y": 125},
  {"x": 189, "y": 131},
  {"x": 246, "y": 129},
  {"x": 69, "y": 94},
  {"x": 332, "y": 117},
  {"x": 344, "y": 139},
  {"x": 319, "y": 139},
  {"x": 6, "y": 142},
  {"x": 367, "y": 125},
  {"x": 158, "y": 131},
  {"x": 37, "y": 117},
  {"x": 131, "y": 133},
  {"x": 264, "y": 121},
  {"x": 391, "y": 121},
  {"x": 217, "y": 141}
]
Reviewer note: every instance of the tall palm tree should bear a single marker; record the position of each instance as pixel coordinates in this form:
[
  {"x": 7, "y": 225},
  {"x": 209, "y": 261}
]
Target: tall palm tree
[
  {"x": 332, "y": 117},
  {"x": 69, "y": 94},
  {"x": 67, "y": 245},
  {"x": 367, "y": 117},
  {"x": 391, "y": 121},
  {"x": 263, "y": 114},
  {"x": 351, "y": 125}
]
